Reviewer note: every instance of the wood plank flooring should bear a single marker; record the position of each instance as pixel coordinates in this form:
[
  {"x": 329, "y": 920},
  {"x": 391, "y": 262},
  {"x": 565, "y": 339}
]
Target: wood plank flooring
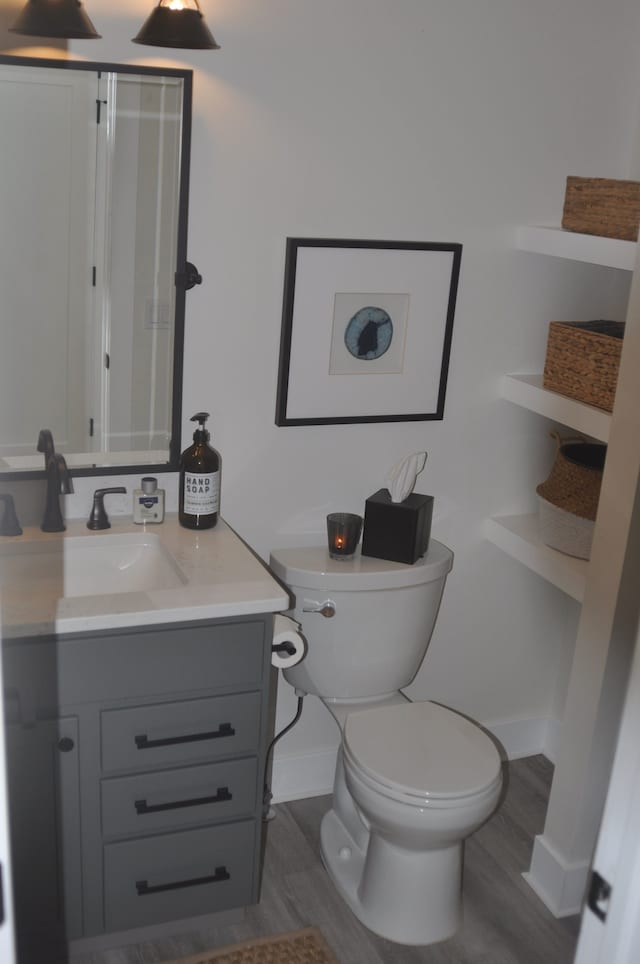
[{"x": 505, "y": 923}]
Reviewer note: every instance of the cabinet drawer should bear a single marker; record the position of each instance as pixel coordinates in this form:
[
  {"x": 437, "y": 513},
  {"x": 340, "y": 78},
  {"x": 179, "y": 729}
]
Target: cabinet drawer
[
  {"x": 171, "y": 799},
  {"x": 151, "y": 661},
  {"x": 178, "y": 875},
  {"x": 169, "y": 734}
]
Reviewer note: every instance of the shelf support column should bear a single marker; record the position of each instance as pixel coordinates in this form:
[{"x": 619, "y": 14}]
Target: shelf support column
[{"x": 604, "y": 647}]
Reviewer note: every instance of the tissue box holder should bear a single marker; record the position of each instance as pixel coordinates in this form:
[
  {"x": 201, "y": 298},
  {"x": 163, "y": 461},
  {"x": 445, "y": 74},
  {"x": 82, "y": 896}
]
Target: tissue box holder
[{"x": 398, "y": 531}]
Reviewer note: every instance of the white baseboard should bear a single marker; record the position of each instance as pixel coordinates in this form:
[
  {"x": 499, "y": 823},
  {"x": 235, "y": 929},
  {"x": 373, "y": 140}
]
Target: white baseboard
[
  {"x": 552, "y": 740},
  {"x": 300, "y": 775},
  {"x": 527, "y": 737},
  {"x": 559, "y": 884}
]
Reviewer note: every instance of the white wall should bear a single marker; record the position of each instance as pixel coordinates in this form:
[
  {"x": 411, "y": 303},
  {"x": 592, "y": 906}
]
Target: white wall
[{"x": 398, "y": 119}]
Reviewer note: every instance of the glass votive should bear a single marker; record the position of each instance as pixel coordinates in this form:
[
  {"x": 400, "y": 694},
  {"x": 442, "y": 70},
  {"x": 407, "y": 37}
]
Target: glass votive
[{"x": 343, "y": 534}]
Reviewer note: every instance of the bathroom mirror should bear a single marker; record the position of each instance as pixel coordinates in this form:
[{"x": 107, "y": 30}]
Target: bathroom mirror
[{"x": 94, "y": 171}]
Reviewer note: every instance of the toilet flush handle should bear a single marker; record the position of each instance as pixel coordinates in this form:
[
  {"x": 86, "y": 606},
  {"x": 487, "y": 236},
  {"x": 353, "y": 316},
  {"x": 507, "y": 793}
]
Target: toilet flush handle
[{"x": 327, "y": 609}]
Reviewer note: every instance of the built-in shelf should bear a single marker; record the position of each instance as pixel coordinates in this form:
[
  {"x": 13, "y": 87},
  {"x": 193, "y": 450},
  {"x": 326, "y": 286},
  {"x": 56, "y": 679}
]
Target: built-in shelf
[
  {"x": 555, "y": 241},
  {"x": 518, "y": 536},
  {"x": 527, "y": 391}
]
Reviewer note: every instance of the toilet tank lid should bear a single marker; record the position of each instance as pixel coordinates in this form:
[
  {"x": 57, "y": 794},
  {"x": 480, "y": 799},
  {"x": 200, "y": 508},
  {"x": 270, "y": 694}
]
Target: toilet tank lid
[{"x": 313, "y": 568}]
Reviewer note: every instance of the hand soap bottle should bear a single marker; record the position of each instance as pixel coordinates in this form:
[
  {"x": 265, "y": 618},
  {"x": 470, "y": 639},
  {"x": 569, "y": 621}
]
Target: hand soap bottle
[{"x": 199, "y": 496}]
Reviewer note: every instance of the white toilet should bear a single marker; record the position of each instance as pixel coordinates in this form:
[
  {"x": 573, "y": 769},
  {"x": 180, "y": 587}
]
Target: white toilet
[{"x": 412, "y": 779}]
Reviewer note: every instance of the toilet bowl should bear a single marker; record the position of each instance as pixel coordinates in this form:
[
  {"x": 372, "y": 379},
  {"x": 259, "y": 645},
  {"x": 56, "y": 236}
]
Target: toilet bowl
[{"x": 413, "y": 779}]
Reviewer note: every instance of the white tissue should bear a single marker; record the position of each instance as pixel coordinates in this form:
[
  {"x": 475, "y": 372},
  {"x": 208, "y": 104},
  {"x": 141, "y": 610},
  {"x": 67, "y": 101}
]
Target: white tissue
[
  {"x": 285, "y": 630},
  {"x": 402, "y": 477}
]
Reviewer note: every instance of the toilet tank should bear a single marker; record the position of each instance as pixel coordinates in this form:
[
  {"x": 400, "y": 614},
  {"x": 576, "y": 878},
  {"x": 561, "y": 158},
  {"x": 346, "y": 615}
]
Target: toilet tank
[{"x": 376, "y": 621}]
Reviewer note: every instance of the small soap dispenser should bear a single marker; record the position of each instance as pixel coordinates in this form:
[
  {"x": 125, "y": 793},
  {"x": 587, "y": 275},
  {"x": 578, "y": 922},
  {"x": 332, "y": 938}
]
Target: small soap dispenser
[
  {"x": 148, "y": 501},
  {"x": 199, "y": 496}
]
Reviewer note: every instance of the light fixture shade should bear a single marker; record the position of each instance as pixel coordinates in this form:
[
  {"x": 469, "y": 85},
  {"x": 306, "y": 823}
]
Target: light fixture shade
[
  {"x": 55, "y": 18},
  {"x": 176, "y": 23}
]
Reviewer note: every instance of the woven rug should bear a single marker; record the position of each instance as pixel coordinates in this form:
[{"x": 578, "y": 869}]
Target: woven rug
[{"x": 306, "y": 946}]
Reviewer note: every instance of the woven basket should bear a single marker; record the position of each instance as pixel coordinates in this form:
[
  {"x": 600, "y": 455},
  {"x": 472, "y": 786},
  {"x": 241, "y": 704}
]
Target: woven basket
[
  {"x": 598, "y": 205},
  {"x": 565, "y": 531},
  {"x": 568, "y": 498},
  {"x": 582, "y": 361},
  {"x": 576, "y": 476}
]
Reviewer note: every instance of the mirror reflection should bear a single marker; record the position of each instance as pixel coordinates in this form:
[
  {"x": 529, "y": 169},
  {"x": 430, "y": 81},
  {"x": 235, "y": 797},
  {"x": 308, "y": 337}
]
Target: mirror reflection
[{"x": 93, "y": 179}]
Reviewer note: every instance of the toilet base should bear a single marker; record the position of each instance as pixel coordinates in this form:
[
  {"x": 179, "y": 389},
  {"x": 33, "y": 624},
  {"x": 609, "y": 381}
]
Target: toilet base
[{"x": 406, "y": 897}]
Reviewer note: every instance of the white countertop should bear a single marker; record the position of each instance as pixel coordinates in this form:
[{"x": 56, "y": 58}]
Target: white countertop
[{"x": 219, "y": 577}]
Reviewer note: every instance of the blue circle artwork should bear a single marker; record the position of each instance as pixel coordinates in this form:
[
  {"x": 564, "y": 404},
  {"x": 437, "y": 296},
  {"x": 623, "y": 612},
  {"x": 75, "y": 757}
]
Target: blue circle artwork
[{"x": 368, "y": 333}]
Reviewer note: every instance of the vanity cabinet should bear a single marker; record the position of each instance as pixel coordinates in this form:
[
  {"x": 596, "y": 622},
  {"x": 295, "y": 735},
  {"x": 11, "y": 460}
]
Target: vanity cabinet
[{"x": 144, "y": 749}]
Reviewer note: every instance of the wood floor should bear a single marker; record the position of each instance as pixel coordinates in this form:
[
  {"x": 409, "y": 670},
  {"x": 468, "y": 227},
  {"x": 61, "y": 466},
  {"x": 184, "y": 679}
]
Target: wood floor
[{"x": 505, "y": 923}]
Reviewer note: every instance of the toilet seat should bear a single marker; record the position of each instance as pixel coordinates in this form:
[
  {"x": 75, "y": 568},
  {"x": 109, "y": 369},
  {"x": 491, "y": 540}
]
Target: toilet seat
[{"x": 421, "y": 754}]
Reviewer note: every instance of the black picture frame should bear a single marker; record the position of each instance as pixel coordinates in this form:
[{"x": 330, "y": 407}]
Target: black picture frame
[{"x": 407, "y": 294}]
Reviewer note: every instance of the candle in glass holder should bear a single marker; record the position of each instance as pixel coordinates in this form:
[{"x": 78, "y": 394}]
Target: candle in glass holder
[{"x": 343, "y": 534}]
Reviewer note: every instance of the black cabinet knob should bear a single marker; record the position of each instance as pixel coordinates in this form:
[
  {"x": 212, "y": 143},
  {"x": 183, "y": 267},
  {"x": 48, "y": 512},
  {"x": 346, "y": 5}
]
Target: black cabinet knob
[{"x": 66, "y": 744}]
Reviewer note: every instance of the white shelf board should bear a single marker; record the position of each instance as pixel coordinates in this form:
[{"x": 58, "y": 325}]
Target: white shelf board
[
  {"x": 518, "y": 536},
  {"x": 555, "y": 241},
  {"x": 528, "y": 392}
]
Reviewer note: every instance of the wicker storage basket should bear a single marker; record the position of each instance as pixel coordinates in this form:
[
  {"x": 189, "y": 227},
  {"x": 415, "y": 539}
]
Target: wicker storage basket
[
  {"x": 598, "y": 205},
  {"x": 568, "y": 498},
  {"x": 582, "y": 360}
]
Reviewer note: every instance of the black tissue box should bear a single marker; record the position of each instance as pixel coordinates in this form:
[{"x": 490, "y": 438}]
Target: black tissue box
[{"x": 398, "y": 531}]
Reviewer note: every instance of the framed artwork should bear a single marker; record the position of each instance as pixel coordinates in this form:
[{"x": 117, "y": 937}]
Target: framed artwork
[{"x": 366, "y": 330}]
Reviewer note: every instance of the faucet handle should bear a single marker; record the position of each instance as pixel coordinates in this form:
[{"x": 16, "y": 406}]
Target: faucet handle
[
  {"x": 98, "y": 518},
  {"x": 9, "y": 525}
]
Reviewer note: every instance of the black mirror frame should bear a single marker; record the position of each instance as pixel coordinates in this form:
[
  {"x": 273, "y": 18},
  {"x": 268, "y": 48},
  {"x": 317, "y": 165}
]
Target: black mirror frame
[{"x": 183, "y": 267}]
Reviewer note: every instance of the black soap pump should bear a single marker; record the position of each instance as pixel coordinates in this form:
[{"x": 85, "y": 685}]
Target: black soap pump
[{"x": 199, "y": 497}]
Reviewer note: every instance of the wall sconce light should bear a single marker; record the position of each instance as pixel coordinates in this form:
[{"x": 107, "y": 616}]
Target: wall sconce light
[
  {"x": 176, "y": 23},
  {"x": 55, "y": 18},
  {"x": 172, "y": 23}
]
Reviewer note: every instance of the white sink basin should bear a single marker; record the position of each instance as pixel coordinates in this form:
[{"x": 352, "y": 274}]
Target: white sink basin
[{"x": 90, "y": 565}]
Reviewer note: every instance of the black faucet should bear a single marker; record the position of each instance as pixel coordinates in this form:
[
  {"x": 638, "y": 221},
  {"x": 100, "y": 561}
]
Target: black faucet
[
  {"x": 9, "y": 525},
  {"x": 98, "y": 518},
  {"x": 58, "y": 482}
]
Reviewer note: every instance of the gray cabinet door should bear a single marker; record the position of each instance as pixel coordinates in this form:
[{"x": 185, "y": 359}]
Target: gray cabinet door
[{"x": 44, "y": 809}]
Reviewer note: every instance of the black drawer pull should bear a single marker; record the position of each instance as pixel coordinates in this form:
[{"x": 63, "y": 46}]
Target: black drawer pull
[
  {"x": 144, "y": 743},
  {"x": 143, "y": 807},
  {"x": 143, "y": 889}
]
